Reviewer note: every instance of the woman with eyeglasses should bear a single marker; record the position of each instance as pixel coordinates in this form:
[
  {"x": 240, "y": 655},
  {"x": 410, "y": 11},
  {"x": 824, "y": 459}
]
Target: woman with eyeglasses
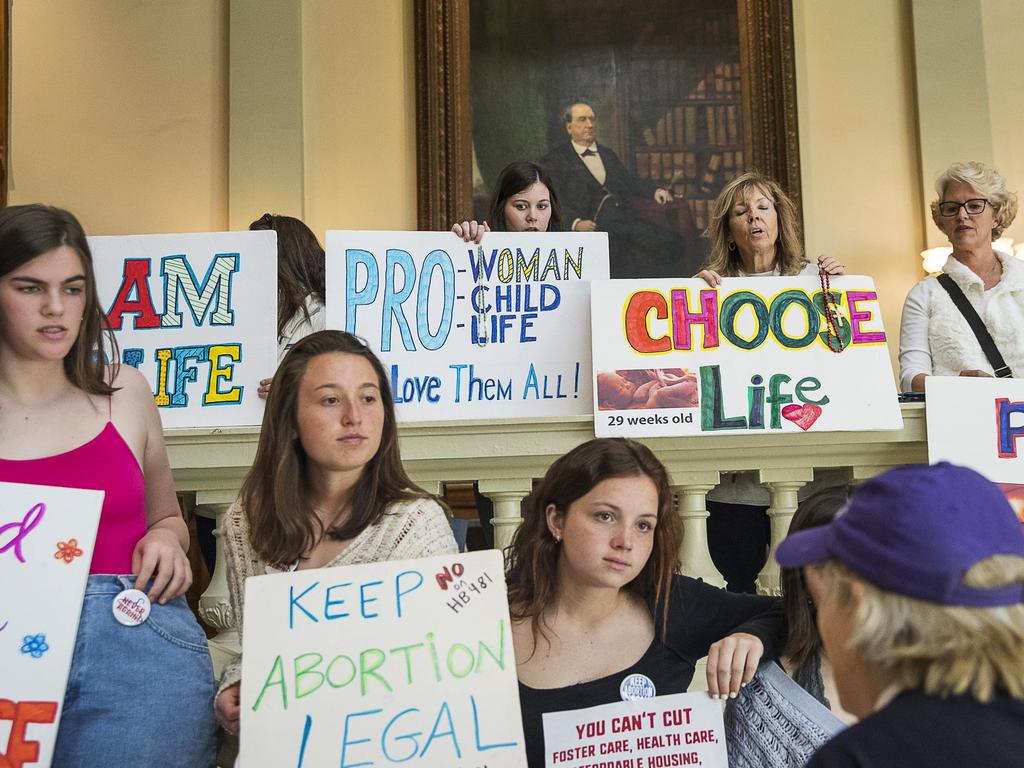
[{"x": 973, "y": 209}]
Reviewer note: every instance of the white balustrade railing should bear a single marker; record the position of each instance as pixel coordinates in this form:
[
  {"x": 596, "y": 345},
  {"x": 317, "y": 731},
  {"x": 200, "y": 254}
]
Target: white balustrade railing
[{"x": 506, "y": 456}]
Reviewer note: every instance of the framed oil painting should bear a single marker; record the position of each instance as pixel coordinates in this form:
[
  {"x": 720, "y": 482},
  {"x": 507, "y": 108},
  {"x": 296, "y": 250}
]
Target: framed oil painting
[{"x": 685, "y": 94}]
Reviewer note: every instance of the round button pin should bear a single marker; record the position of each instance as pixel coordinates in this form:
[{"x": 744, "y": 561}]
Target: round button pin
[
  {"x": 636, "y": 687},
  {"x": 131, "y": 607}
]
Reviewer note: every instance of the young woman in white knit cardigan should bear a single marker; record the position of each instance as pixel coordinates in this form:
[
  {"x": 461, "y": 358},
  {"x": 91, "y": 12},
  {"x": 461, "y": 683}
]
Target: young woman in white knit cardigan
[{"x": 327, "y": 486}]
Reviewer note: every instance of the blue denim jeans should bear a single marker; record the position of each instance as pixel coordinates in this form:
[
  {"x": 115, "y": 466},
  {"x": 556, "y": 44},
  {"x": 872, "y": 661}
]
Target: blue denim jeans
[{"x": 137, "y": 696}]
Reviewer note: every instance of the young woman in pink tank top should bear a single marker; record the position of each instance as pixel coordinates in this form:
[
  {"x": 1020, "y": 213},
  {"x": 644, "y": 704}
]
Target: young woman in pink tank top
[{"x": 68, "y": 419}]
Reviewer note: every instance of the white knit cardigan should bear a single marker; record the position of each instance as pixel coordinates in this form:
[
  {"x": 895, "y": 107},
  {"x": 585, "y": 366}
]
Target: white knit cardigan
[{"x": 407, "y": 530}]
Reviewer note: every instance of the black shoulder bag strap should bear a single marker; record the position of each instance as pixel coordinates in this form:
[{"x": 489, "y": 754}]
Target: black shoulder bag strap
[{"x": 988, "y": 346}]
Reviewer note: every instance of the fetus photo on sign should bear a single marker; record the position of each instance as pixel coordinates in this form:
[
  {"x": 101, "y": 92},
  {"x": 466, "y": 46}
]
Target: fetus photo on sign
[{"x": 622, "y": 390}]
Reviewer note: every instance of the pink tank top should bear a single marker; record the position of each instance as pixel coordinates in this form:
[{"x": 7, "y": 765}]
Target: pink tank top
[{"x": 105, "y": 463}]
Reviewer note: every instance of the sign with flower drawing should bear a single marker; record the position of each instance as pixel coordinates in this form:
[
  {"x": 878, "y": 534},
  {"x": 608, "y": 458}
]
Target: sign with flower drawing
[{"x": 46, "y": 543}]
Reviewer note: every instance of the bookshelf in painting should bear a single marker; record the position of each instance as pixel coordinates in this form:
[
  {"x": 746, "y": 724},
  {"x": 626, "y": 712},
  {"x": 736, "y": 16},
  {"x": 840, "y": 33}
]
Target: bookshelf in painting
[{"x": 685, "y": 104}]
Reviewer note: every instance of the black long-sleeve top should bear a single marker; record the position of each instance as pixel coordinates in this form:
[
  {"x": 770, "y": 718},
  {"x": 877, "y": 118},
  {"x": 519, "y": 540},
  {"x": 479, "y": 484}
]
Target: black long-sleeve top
[{"x": 698, "y": 616}]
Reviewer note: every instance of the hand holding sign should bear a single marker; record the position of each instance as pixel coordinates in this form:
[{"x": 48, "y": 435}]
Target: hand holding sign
[{"x": 732, "y": 662}]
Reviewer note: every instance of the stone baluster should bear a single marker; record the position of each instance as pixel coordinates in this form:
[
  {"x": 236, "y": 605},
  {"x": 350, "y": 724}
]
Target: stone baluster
[
  {"x": 691, "y": 503},
  {"x": 784, "y": 485},
  {"x": 215, "y": 603},
  {"x": 507, "y": 495}
]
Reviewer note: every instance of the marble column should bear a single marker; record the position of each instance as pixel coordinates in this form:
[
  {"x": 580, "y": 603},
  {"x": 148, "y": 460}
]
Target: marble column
[
  {"x": 784, "y": 486},
  {"x": 691, "y": 503},
  {"x": 507, "y": 495}
]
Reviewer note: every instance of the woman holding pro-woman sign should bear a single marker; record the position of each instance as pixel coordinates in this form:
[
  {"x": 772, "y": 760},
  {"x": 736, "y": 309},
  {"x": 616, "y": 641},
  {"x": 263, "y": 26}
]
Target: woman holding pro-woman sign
[
  {"x": 599, "y": 612},
  {"x": 523, "y": 201},
  {"x": 141, "y": 682},
  {"x": 327, "y": 487}
]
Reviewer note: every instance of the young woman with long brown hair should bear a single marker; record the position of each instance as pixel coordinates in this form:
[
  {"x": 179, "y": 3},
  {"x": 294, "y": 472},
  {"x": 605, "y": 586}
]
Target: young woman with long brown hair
[
  {"x": 599, "y": 612},
  {"x": 67, "y": 419},
  {"x": 523, "y": 200},
  {"x": 327, "y": 486}
]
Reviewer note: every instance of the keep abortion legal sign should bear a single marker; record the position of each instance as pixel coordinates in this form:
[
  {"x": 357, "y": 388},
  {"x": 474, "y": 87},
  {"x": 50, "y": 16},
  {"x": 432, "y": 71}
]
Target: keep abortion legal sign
[
  {"x": 492, "y": 331},
  {"x": 754, "y": 356},
  {"x": 398, "y": 663},
  {"x": 196, "y": 314}
]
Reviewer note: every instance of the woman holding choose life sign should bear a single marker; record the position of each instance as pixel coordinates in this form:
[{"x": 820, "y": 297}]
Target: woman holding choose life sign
[
  {"x": 327, "y": 487},
  {"x": 754, "y": 232},
  {"x": 141, "y": 682},
  {"x": 599, "y": 613}
]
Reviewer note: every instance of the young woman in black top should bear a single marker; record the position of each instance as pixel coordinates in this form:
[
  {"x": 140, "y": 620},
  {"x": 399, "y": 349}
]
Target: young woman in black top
[{"x": 599, "y": 611}]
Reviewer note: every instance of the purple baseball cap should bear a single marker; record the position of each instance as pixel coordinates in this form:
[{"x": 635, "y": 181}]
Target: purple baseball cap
[{"x": 916, "y": 530}]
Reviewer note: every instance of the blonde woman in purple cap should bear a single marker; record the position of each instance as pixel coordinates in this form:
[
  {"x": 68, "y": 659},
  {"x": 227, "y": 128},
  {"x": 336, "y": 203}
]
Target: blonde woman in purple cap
[{"x": 919, "y": 588}]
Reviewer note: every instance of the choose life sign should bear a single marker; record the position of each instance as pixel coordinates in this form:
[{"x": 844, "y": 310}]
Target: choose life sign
[
  {"x": 675, "y": 730},
  {"x": 399, "y": 663},
  {"x": 492, "y": 331},
  {"x": 677, "y": 357},
  {"x": 196, "y": 313},
  {"x": 46, "y": 544},
  {"x": 978, "y": 423}
]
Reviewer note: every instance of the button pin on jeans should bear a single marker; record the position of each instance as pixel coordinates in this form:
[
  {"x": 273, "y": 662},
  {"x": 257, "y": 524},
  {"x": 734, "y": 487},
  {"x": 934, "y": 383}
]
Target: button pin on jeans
[{"x": 131, "y": 607}]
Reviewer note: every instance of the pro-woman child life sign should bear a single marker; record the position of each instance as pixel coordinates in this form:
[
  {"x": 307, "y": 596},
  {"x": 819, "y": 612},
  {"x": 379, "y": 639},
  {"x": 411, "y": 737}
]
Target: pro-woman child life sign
[
  {"x": 492, "y": 331},
  {"x": 196, "y": 313},
  {"x": 46, "y": 546},
  {"x": 754, "y": 356},
  {"x": 400, "y": 663}
]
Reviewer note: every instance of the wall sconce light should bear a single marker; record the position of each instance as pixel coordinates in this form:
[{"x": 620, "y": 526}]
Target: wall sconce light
[{"x": 933, "y": 259}]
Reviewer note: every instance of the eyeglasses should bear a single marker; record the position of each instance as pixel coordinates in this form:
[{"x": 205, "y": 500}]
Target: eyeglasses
[{"x": 950, "y": 208}]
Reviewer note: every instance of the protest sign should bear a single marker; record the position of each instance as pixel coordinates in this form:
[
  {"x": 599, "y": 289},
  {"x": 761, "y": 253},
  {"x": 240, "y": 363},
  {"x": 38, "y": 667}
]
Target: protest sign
[
  {"x": 406, "y": 662},
  {"x": 677, "y": 357},
  {"x": 46, "y": 544},
  {"x": 979, "y": 423},
  {"x": 680, "y": 729},
  {"x": 471, "y": 332},
  {"x": 202, "y": 343}
]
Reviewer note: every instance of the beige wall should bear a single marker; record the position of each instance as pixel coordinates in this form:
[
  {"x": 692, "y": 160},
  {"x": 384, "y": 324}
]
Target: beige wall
[
  {"x": 1002, "y": 24},
  {"x": 858, "y": 142},
  {"x": 119, "y": 112},
  {"x": 359, "y": 116},
  {"x": 971, "y": 102},
  {"x": 128, "y": 125}
]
